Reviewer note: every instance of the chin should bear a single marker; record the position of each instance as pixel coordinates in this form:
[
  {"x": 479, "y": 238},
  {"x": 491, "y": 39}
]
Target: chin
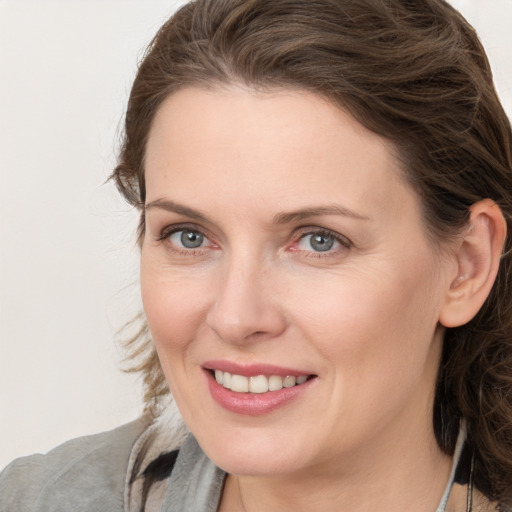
[
  {"x": 255, "y": 465},
  {"x": 257, "y": 456}
]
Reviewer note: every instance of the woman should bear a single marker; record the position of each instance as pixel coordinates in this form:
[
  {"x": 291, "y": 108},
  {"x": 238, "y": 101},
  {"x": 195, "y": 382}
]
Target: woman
[{"x": 325, "y": 190}]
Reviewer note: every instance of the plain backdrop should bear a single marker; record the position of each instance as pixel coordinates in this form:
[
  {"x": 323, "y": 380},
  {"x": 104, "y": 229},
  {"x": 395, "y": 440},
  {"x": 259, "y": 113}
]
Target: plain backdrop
[{"x": 68, "y": 262}]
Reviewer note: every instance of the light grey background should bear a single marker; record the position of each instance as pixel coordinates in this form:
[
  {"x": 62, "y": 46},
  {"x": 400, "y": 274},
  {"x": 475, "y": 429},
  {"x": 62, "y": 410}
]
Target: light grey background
[{"x": 68, "y": 264}]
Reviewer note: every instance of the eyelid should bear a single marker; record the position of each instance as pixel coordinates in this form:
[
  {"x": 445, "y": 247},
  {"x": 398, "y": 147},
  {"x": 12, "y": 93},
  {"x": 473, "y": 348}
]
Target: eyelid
[
  {"x": 166, "y": 232},
  {"x": 316, "y": 230},
  {"x": 175, "y": 228},
  {"x": 300, "y": 233}
]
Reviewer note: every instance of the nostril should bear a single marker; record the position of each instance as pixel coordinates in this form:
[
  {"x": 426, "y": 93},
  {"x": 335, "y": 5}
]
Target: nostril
[{"x": 256, "y": 335}]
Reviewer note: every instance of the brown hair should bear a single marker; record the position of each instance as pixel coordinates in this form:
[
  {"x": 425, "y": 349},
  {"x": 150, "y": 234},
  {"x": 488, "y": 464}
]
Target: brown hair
[{"x": 412, "y": 71}]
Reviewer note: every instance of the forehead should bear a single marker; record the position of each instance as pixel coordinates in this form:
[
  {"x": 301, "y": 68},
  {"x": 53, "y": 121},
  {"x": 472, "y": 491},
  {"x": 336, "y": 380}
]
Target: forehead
[{"x": 240, "y": 145}]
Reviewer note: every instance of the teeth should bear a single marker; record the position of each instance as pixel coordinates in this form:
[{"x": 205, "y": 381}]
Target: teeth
[
  {"x": 258, "y": 383},
  {"x": 289, "y": 382},
  {"x": 226, "y": 380},
  {"x": 275, "y": 383},
  {"x": 240, "y": 383}
]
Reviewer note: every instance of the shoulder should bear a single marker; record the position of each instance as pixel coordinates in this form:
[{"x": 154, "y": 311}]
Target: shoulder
[{"x": 87, "y": 473}]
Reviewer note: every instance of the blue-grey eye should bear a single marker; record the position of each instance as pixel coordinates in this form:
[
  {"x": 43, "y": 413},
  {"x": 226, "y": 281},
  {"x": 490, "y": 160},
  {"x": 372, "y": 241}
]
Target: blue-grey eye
[
  {"x": 188, "y": 239},
  {"x": 318, "y": 242}
]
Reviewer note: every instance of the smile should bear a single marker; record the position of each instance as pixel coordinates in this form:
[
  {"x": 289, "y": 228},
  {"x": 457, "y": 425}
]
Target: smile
[
  {"x": 257, "y": 388},
  {"x": 258, "y": 383}
]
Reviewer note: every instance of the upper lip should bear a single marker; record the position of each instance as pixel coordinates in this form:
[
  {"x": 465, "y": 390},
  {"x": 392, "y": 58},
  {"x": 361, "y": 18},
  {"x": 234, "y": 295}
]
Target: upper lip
[{"x": 253, "y": 369}]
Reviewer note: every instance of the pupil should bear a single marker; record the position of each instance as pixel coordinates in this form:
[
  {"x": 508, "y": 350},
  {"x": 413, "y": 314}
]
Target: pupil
[
  {"x": 191, "y": 239},
  {"x": 321, "y": 243}
]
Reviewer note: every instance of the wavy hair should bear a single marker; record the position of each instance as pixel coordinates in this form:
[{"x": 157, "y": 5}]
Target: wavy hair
[{"x": 412, "y": 71}]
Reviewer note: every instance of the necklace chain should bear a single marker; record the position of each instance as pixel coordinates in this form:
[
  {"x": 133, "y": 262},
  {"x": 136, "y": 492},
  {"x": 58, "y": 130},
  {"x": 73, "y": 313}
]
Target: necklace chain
[
  {"x": 469, "y": 494},
  {"x": 469, "y": 497}
]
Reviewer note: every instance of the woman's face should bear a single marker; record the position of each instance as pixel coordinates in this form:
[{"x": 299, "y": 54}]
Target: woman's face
[{"x": 282, "y": 245}]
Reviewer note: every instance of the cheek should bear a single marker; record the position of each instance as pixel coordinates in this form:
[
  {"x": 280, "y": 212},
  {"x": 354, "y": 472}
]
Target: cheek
[
  {"x": 173, "y": 306},
  {"x": 379, "y": 340},
  {"x": 372, "y": 323},
  {"x": 174, "y": 309}
]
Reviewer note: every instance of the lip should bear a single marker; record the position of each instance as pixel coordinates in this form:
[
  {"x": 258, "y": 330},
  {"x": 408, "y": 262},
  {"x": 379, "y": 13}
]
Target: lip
[
  {"x": 253, "y": 404},
  {"x": 251, "y": 370}
]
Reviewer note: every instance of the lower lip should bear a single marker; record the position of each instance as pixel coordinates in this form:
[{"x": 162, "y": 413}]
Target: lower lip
[{"x": 253, "y": 404}]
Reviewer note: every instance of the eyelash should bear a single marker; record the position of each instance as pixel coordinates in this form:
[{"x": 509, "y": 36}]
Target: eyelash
[
  {"x": 344, "y": 242},
  {"x": 168, "y": 231},
  {"x": 299, "y": 235}
]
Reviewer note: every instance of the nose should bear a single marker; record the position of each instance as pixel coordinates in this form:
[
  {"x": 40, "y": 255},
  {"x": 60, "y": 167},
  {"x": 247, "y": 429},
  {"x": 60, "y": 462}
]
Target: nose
[{"x": 245, "y": 306}]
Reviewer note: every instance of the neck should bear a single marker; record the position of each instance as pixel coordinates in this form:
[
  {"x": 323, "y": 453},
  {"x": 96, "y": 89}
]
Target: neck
[{"x": 364, "y": 481}]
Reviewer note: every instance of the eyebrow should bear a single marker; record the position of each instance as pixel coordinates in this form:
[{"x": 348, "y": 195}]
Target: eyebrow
[
  {"x": 304, "y": 213},
  {"x": 171, "y": 206},
  {"x": 279, "y": 218}
]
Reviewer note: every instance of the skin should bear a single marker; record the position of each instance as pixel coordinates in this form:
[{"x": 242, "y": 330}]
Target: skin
[{"x": 363, "y": 317}]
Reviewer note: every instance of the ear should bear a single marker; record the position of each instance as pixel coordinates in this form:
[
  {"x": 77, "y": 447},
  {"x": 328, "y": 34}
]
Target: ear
[{"x": 477, "y": 257}]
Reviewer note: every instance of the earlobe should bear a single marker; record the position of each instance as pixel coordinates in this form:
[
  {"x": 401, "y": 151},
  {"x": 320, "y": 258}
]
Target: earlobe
[{"x": 477, "y": 261}]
